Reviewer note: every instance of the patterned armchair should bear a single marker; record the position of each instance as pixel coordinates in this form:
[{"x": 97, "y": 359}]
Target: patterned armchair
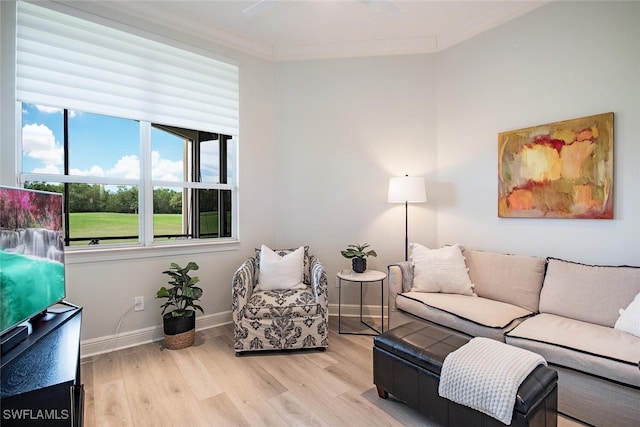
[{"x": 280, "y": 319}]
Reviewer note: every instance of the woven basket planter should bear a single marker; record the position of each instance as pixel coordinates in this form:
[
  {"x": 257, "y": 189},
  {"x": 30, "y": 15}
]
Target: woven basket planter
[
  {"x": 180, "y": 341},
  {"x": 179, "y": 332}
]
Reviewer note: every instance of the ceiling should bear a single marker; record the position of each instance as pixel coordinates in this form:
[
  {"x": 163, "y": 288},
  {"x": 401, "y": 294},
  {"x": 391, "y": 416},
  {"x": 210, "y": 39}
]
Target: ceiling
[{"x": 283, "y": 30}]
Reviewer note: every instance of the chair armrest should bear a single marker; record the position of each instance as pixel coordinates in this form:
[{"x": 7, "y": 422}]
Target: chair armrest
[
  {"x": 400, "y": 280},
  {"x": 319, "y": 282},
  {"x": 242, "y": 287}
]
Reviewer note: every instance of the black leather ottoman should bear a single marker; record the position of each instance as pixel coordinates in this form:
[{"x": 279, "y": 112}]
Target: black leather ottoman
[{"x": 407, "y": 361}]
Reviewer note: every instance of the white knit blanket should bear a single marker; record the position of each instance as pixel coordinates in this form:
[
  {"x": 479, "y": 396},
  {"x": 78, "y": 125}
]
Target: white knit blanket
[{"x": 485, "y": 374}]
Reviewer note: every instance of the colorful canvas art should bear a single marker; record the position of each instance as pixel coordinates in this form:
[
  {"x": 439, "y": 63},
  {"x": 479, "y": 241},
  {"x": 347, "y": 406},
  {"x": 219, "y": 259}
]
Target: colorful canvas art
[{"x": 557, "y": 170}]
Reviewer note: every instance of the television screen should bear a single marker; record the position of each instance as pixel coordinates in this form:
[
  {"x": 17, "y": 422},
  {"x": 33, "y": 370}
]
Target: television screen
[{"x": 31, "y": 254}]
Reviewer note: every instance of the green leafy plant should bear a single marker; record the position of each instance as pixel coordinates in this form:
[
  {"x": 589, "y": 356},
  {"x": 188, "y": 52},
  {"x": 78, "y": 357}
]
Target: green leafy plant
[
  {"x": 358, "y": 251},
  {"x": 182, "y": 294}
]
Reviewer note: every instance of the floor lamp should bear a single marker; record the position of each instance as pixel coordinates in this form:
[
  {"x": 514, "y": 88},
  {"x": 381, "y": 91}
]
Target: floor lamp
[{"x": 407, "y": 189}]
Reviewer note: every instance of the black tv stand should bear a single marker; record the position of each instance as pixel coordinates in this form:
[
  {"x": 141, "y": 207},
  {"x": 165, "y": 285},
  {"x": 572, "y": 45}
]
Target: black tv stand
[
  {"x": 13, "y": 337},
  {"x": 41, "y": 375}
]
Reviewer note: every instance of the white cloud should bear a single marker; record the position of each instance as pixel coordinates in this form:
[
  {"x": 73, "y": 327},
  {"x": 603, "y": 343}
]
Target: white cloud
[
  {"x": 127, "y": 167},
  {"x": 48, "y": 110},
  {"x": 49, "y": 168},
  {"x": 38, "y": 142},
  {"x": 93, "y": 171},
  {"x": 165, "y": 169}
]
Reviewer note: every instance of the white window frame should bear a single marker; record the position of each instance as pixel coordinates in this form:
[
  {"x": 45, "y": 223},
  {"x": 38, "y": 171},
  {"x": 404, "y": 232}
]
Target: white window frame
[{"x": 145, "y": 185}]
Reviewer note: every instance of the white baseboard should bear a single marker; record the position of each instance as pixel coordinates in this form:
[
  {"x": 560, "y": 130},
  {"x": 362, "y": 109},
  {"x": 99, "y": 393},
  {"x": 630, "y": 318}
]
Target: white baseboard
[
  {"x": 353, "y": 310},
  {"x": 96, "y": 346}
]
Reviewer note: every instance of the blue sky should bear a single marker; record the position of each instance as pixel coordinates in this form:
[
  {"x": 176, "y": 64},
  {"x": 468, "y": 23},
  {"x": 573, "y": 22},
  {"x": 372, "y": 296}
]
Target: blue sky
[{"x": 99, "y": 146}]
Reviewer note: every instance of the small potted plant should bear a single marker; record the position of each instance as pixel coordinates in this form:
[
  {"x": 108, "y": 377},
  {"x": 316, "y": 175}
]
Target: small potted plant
[
  {"x": 358, "y": 256},
  {"x": 179, "y": 323}
]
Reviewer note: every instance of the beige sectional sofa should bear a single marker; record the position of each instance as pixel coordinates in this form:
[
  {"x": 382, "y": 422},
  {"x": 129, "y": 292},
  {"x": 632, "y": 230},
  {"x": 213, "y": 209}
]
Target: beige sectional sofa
[{"x": 563, "y": 310}]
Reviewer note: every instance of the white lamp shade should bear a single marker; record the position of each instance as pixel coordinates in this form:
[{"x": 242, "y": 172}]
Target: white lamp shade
[{"x": 407, "y": 189}]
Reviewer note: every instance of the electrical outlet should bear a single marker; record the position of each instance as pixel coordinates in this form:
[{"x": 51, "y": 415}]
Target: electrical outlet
[{"x": 138, "y": 304}]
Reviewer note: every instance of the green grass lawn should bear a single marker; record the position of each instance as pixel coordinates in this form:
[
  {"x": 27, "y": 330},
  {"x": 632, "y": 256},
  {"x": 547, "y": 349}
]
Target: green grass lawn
[
  {"x": 98, "y": 224},
  {"x": 101, "y": 224}
]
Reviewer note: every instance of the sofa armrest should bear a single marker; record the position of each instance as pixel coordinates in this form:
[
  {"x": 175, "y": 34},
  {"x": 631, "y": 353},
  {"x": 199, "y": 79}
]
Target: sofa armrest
[
  {"x": 400, "y": 280},
  {"x": 319, "y": 282},
  {"x": 244, "y": 280}
]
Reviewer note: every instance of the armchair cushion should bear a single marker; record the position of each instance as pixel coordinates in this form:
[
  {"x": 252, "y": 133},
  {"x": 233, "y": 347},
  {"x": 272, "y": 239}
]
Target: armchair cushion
[
  {"x": 306, "y": 271},
  {"x": 281, "y": 272},
  {"x": 291, "y": 302}
]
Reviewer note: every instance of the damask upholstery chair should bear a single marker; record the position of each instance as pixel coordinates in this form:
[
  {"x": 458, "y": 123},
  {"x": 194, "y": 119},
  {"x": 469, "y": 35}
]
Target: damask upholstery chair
[{"x": 280, "y": 319}]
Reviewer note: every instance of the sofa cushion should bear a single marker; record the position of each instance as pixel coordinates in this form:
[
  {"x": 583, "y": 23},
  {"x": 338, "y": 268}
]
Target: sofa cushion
[
  {"x": 586, "y": 347},
  {"x": 471, "y": 315},
  {"x": 590, "y": 293},
  {"x": 440, "y": 270},
  {"x": 514, "y": 279}
]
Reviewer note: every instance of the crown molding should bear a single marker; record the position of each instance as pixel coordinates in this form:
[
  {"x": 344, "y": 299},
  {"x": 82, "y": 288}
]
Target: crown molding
[{"x": 155, "y": 21}]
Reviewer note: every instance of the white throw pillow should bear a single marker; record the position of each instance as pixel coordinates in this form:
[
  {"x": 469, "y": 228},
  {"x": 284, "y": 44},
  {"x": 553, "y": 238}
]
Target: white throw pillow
[
  {"x": 440, "y": 270},
  {"x": 281, "y": 272},
  {"x": 629, "y": 320}
]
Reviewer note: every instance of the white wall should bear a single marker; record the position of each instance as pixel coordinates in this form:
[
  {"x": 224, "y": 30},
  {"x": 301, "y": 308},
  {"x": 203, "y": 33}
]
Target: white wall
[
  {"x": 342, "y": 129},
  {"x": 564, "y": 60}
]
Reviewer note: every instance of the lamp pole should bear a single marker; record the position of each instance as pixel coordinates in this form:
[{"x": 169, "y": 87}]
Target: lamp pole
[{"x": 406, "y": 230}]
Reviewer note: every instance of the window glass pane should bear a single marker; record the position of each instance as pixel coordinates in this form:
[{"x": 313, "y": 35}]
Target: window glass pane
[
  {"x": 169, "y": 223},
  {"x": 97, "y": 214},
  {"x": 167, "y": 154},
  {"x": 215, "y": 213},
  {"x": 208, "y": 202},
  {"x": 209, "y": 163},
  {"x": 101, "y": 214},
  {"x": 103, "y": 146},
  {"x": 42, "y": 139},
  {"x": 225, "y": 213},
  {"x": 231, "y": 160}
]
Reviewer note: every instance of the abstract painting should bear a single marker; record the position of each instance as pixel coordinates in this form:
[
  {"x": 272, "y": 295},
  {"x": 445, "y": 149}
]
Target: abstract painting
[{"x": 557, "y": 170}]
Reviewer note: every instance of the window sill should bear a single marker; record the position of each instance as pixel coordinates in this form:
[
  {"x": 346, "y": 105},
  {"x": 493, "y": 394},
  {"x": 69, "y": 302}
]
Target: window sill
[{"x": 118, "y": 253}]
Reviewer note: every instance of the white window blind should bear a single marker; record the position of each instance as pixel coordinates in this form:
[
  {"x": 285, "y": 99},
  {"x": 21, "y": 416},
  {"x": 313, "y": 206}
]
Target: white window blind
[{"x": 68, "y": 62}]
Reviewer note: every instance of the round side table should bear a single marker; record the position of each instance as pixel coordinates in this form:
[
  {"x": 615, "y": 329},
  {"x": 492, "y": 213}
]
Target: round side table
[{"x": 368, "y": 277}]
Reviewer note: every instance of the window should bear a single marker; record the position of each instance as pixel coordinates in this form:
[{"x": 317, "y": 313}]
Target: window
[
  {"x": 138, "y": 131},
  {"x": 98, "y": 163}
]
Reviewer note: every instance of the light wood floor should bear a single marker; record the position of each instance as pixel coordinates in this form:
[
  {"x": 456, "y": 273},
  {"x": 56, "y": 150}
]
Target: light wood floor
[{"x": 207, "y": 385}]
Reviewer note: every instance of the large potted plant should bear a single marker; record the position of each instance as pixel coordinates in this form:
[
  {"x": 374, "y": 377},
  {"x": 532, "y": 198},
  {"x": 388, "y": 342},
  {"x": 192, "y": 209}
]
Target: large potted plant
[
  {"x": 358, "y": 256},
  {"x": 179, "y": 323}
]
